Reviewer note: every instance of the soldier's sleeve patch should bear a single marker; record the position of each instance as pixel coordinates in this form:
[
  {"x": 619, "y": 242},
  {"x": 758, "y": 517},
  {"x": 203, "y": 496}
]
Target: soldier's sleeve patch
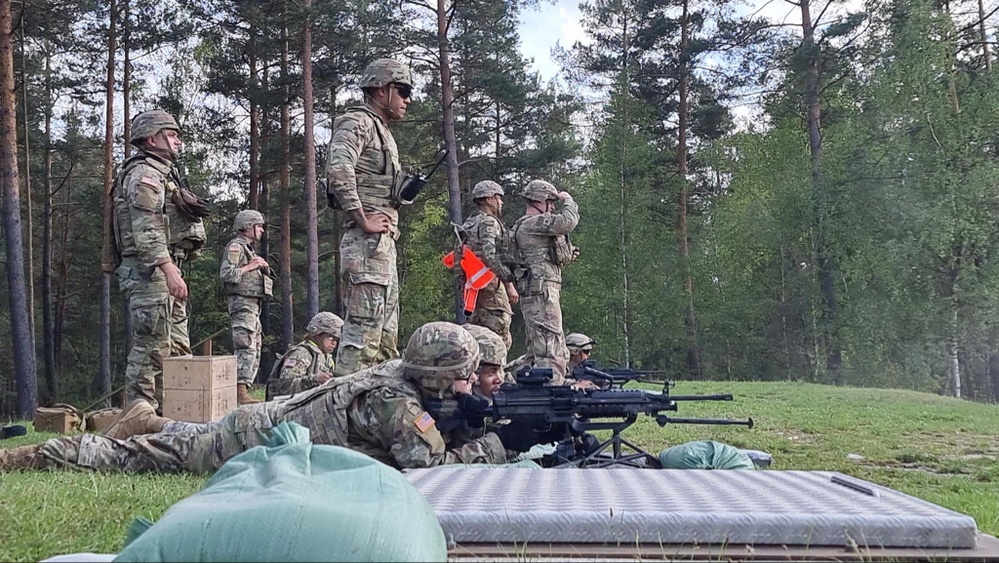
[
  {"x": 233, "y": 253},
  {"x": 150, "y": 181},
  {"x": 424, "y": 422},
  {"x": 291, "y": 362}
]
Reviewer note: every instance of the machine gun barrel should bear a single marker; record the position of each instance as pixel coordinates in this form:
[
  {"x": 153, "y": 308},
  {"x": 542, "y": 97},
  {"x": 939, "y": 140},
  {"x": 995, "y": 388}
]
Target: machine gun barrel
[
  {"x": 719, "y": 397},
  {"x": 663, "y": 420}
]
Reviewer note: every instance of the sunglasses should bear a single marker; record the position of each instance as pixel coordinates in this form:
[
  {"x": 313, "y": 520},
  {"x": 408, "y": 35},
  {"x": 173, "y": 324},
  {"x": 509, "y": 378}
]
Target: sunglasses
[{"x": 404, "y": 91}]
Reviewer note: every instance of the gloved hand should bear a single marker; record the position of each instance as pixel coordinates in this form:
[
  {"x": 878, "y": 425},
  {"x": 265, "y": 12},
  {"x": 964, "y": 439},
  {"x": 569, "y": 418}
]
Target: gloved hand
[
  {"x": 522, "y": 434},
  {"x": 189, "y": 204}
]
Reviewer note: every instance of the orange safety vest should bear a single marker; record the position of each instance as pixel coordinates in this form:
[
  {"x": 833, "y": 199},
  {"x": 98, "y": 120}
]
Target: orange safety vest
[{"x": 477, "y": 275}]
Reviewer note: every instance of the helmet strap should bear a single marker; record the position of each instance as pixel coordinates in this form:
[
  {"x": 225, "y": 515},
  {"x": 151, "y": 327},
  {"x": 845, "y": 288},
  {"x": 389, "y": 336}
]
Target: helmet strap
[{"x": 386, "y": 111}]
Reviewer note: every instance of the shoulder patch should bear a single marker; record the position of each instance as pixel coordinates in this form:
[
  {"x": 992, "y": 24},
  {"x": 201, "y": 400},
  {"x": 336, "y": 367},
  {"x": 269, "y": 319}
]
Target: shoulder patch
[
  {"x": 291, "y": 362},
  {"x": 233, "y": 253},
  {"x": 150, "y": 181},
  {"x": 424, "y": 422}
]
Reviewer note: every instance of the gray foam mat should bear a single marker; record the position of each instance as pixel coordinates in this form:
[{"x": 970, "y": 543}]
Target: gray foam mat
[{"x": 801, "y": 508}]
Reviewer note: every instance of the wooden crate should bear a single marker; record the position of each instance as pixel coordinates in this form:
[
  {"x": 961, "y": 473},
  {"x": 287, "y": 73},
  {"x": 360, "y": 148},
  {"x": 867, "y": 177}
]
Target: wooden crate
[
  {"x": 199, "y": 388},
  {"x": 57, "y": 419}
]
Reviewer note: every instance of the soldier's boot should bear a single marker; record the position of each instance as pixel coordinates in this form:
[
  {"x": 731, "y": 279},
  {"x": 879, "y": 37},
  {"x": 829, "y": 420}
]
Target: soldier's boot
[
  {"x": 243, "y": 395},
  {"x": 139, "y": 417},
  {"x": 25, "y": 457}
]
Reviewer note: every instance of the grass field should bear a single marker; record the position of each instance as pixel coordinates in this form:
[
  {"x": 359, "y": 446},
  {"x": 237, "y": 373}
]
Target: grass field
[{"x": 939, "y": 449}]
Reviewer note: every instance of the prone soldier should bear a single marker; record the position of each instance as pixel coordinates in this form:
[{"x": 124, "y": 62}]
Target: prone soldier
[
  {"x": 580, "y": 347},
  {"x": 246, "y": 282},
  {"x": 379, "y": 412}
]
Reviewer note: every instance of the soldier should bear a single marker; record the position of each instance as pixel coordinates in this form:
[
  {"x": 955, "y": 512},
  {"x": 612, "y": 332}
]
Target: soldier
[
  {"x": 580, "y": 346},
  {"x": 247, "y": 283},
  {"x": 309, "y": 363},
  {"x": 540, "y": 249},
  {"x": 363, "y": 175},
  {"x": 155, "y": 231},
  {"x": 486, "y": 236},
  {"x": 492, "y": 358},
  {"x": 379, "y": 412}
]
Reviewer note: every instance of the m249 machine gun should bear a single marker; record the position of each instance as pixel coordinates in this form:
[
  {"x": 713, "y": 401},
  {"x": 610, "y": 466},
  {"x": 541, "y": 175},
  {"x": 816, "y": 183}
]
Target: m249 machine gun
[{"x": 570, "y": 415}]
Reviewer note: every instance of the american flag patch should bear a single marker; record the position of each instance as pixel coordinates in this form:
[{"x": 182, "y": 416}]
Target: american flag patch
[
  {"x": 150, "y": 181},
  {"x": 424, "y": 422}
]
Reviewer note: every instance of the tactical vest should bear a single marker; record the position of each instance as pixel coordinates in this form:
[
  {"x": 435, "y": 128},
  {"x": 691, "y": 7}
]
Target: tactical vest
[
  {"x": 255, "y": 283},
  {"x": 323, "y": 410},
  {"x": 184, "y": 238},
  {"x": 558, "y": 251},
  {"x": 315, "y": 364},
  {"x": 378, "y": 172}
]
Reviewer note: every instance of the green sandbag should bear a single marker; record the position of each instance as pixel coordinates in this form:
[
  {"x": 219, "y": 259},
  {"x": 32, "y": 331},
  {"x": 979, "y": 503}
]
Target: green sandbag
[
  {"x": 295, "y": 502},
  {"x": 704, "y": 454}
]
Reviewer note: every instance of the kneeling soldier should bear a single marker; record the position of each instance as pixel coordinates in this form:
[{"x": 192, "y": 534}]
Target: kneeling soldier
[{"x": 309, "y": 363}]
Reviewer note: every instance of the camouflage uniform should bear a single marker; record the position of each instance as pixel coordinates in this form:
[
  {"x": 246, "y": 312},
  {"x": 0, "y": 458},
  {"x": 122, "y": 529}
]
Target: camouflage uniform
[
  {"x": 149, "y": 231},
  {"x": 486, "y": 236},
  {"x": 246, "y": 292},
  {"x": 541, "y": 249},
  {"x": 378, "y": 412},
  {"x": 301, "y": 367},
  {"x": 298, "y": 370},
  {"x": 362, "y": 171}
]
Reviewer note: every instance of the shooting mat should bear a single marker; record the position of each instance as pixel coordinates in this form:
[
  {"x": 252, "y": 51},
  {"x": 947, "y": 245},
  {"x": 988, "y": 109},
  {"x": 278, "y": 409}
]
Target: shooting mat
[{"x": 792, "y": 508}]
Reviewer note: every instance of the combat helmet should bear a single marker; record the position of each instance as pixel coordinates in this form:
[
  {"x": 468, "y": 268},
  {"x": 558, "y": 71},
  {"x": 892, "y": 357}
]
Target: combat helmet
[
  {"x": 325, "y": 323},
  {"x": 579, "y": 342},
  {"x": 540, "y": 190},
  {"x": 492, "y": 350},
  {"x": 149, "y": 123},
  {"x": 246, "y": 219},
  {"x": 383, "y": 72},
  {"x": 486, "y": 188},
  {"x": 438, "y": 353}
]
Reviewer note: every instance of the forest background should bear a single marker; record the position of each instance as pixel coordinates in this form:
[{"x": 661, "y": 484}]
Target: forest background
[{"x": 808, "y": 199}]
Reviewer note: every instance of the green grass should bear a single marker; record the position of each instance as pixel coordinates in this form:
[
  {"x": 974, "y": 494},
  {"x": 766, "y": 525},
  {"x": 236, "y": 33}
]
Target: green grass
[{"x": 939, "y": 449}]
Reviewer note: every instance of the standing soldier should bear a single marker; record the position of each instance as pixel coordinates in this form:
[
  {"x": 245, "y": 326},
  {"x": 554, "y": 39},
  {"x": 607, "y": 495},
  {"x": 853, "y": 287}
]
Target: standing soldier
[
  {"x": 157, "y": 226},
  {"x": 486, "y": 236},
  {"x": 309, "y": 363},
  {"x": 364, "y": 177},
  {"x": 247, "y": 283},
  {"x": 541, "y": 248}
]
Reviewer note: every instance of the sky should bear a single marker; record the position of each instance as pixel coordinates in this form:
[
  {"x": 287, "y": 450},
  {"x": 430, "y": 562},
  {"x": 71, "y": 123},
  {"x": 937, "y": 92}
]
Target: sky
[{"x": 558, "y": 23}]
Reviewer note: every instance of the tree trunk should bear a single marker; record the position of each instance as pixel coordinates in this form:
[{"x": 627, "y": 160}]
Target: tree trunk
[
  {"x": 337, "y": 305},
  {"x": 623, "y": 178},
  {"x": 983, "y": 36},
  {"x": 48, "y": 322},
  {"x": 102, "y": 383},
  {"x": 450, "y": 142},
  {"x": 254, "y": 122},
  {"x": 953, "y": 360},
  {"x": 284, "y": 177},
  {"x": 693, "y": 354},
  {"x": 126, "y": 94},
  {"x": 24, "y": 354},
  {"x": 266, "y": 140},
  {"x": 30, "y": 252},
  {"x": 825, "y": 262},
  {"x": 311, "y": 215}
]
